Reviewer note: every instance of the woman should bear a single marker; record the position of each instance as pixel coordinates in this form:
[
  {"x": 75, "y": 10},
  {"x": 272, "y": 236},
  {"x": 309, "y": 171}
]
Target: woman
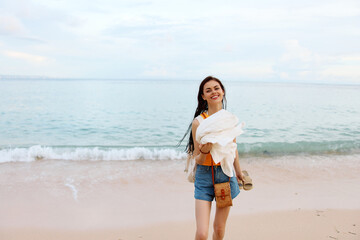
[{"x": 211, "y": 97}]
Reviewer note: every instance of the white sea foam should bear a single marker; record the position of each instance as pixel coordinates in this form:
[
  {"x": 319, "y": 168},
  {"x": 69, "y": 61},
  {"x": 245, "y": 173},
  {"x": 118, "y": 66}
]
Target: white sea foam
[
  {"x": 87, "y": 154},
  {"x": 70, "y": 184}
]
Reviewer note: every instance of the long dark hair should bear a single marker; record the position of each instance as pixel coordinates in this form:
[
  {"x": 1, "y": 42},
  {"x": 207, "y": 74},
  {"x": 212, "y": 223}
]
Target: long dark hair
[{"x": 201, "y": 107}]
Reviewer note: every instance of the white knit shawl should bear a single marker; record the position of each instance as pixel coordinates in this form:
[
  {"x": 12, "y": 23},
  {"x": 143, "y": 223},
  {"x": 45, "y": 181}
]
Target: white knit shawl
[{"x": 220, "y": 129}]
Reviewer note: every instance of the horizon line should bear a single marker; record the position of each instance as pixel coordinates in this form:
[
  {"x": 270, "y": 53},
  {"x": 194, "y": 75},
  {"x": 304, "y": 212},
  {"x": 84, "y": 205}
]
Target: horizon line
[{"x": 39, "y": 77}]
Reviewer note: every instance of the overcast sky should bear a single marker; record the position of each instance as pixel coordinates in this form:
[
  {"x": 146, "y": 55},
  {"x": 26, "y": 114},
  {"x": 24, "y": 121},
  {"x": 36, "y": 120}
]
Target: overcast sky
[{"x": 262, "y": 40}]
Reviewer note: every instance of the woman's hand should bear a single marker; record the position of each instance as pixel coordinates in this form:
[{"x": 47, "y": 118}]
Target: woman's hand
[
  {"x": 205, "y": 148},
  {"x": 240, "y": 177}
]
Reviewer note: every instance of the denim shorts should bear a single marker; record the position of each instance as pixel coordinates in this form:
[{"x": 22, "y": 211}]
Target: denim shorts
[{"x": 204, "y": 188}]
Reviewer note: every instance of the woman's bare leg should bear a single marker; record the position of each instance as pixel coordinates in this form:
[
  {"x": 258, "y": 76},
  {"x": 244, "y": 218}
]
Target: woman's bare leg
[
  {"x": 202, "y": 215},
  {"x": 221, "y": 217}
]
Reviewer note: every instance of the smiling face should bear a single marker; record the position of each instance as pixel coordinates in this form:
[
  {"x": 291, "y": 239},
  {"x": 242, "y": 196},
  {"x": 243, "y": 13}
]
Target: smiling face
[{"x": 212, "y": 92}]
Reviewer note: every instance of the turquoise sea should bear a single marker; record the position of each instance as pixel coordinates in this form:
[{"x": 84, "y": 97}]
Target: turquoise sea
[{"x": 132, "y": 119}]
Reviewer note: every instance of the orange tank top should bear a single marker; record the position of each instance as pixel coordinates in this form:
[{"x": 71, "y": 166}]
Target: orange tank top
[{"x": 208, "y": 158}]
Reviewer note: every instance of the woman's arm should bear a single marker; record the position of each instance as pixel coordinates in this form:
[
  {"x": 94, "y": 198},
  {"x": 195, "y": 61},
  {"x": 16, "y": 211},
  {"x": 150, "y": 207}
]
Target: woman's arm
[{"x": 199, "y": 157}]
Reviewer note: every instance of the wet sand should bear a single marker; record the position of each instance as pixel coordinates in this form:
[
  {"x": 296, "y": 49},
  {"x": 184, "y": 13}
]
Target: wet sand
[{"x": 152, "y": 200}]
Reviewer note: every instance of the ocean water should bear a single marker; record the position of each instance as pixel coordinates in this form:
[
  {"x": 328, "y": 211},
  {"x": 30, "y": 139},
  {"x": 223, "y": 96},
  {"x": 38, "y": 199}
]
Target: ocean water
[{"x": 96, "y": 120}]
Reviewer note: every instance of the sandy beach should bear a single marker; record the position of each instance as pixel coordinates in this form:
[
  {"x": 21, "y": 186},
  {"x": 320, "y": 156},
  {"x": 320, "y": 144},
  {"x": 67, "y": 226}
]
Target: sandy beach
[{"x": 300, "y": 199}]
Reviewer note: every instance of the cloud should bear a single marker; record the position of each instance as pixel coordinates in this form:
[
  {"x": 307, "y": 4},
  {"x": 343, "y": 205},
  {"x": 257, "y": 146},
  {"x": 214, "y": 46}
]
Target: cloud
[
  {"x": 299, "y": 63},
  {"x": 350, "y": 58},
  {"x": 13, "y": 27},
  {"x": 10, "y": 25},
  {"x": 25, "y": 56},
  {"x": 335, "y": 10},
  {"x": 144, "y": 27},
  {"x": 296, "y": 52}
]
